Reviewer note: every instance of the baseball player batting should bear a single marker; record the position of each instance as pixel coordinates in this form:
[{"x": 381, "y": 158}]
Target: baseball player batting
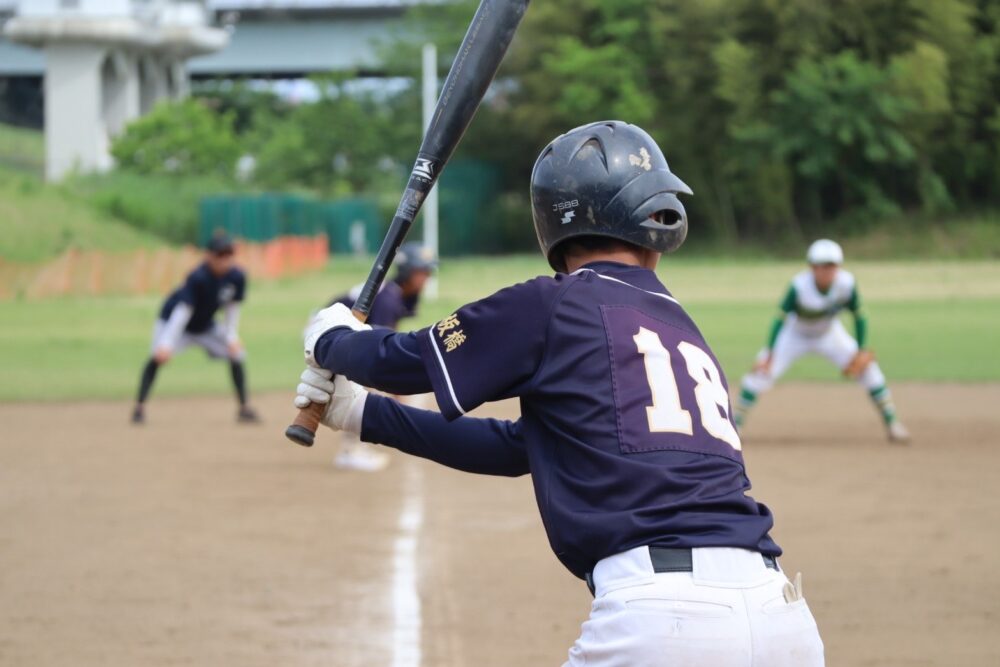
[
  {"x": 625, "y": 421},
  {"x": 809, "y": 323},
  {"x": 188, "y": 318},
  {"x": 399, "y": 298}
]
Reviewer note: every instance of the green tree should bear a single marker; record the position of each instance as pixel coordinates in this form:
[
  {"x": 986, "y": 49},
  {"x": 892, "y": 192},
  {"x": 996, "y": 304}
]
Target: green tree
[
  {"x": 341, "y": 144},
  {"x": 183, "y": 138}
]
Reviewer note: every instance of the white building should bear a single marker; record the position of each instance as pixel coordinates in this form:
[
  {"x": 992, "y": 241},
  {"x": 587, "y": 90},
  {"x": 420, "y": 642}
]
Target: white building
[{"x": 106, "y": 63}]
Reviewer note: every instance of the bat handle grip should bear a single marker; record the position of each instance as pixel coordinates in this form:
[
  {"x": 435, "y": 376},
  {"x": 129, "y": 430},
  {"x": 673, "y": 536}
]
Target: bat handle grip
[{"x": 303, "y": 429}]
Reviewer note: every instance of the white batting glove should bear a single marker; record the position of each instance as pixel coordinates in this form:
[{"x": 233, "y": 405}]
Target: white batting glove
[
  {"x": 345, "y": 400},
  {"x": 337, "y": 315}
]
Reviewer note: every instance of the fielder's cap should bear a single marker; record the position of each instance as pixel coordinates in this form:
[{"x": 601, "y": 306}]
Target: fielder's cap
[
  {"x": 220, "y": 245},
  {"x": 825, "y": 251}
]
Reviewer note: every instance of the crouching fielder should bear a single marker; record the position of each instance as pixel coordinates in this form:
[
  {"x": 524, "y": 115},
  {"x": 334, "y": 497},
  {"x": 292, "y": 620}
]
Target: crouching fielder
[
  {"x": 188, "y": 318},
  {"x": 808, "y": 324},
  {"x": 625, "y": 422},
  {"x": 396, "y": 300}
]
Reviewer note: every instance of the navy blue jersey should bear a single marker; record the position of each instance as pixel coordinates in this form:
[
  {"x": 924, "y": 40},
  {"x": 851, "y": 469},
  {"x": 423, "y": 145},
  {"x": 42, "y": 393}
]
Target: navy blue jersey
[
  {"x": 625, "y": 411},
  {"x": 389, "y": 307},
  {"x": 206, "y": 293},
  {"x": 625, "y": 425}
]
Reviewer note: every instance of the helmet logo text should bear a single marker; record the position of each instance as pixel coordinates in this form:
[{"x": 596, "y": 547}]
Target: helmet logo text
[
  {"x": 641, "y": 160},
  {"x": 567, "y": 206}
]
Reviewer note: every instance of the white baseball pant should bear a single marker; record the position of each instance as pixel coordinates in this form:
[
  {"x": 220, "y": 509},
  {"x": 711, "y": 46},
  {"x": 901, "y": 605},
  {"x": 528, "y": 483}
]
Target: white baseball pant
[
  {"x": 835, "y": 344},
  {"x": 730, "y": 611},
  {"x": 213, "y": 341}
]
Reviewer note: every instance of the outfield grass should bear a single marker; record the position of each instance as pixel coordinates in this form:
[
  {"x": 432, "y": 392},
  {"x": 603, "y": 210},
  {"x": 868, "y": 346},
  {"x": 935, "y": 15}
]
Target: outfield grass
[{"x": 933, "y": 322}]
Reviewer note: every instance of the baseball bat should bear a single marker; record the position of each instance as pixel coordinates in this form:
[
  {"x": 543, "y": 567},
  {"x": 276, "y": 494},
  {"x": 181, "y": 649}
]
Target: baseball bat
[{"x": 476, "y": 63}]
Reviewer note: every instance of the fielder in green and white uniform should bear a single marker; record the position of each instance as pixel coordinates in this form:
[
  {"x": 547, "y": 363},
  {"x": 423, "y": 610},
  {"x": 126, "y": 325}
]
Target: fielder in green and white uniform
[{"x": 809, "y": 323}]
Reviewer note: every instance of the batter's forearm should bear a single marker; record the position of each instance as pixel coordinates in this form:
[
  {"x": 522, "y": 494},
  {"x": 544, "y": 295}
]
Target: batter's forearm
[
  {"x": 380, "y": 359},
  {"x": 483, "y": 446}
]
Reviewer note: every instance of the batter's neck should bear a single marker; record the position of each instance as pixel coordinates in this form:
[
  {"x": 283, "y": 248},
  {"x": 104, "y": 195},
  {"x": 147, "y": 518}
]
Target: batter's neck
[{"x": 632, "y": 256}]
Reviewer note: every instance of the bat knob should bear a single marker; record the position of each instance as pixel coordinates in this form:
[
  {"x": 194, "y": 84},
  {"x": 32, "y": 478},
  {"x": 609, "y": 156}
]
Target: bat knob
[{"x": 300, "y": 435}]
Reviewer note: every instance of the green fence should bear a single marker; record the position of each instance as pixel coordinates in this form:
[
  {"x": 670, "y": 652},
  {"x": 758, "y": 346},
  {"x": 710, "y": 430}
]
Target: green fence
[
  {"x": 469, "y": 215},
  {"x": 351, "y": 225},
  {"x": 470, "y": 218}
]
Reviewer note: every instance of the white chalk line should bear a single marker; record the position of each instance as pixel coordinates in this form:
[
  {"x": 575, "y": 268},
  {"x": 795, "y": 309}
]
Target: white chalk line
[{"x": 406, "y": 644}]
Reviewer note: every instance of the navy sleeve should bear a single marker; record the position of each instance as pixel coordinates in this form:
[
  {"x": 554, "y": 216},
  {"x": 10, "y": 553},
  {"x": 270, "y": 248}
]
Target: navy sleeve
[
  {"x": 240, "y": 281},
  {"x": 380, "y": 358},
  {"x": 386, "y": 310},
  {"x": 483, "y": 446},
  {"x": 490, "y": 349},
  {"x": 410, "y": 304},
  {"x": 188, "y": 293},
  {"x": 344, "y": 299}
]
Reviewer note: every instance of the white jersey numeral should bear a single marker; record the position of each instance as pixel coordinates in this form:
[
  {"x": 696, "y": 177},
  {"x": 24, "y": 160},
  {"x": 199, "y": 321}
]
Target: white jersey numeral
[{"x": 666, "y": 414}]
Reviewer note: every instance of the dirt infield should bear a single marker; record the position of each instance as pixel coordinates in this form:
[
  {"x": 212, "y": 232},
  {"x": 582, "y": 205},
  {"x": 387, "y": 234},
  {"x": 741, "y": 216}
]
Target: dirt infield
[{"x": 197, "y": 541}]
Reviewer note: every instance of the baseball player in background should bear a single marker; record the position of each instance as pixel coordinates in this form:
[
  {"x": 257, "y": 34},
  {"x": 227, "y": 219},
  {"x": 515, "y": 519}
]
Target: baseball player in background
[
  {"x": 188, "y": 318},
  {"x": 625, "y": 421},
  {"x": 809, "y": 323},
  {"x": 397, "y": 299}
]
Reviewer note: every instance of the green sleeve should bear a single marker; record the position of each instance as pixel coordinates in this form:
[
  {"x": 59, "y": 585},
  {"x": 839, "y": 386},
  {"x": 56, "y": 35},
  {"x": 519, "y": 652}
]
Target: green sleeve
[
  {"x": 788, "y": 303},
  {"x": 860, "y": 321},
  {"x": 787, "y": 306},
  {"x": 775, "y": 330}
]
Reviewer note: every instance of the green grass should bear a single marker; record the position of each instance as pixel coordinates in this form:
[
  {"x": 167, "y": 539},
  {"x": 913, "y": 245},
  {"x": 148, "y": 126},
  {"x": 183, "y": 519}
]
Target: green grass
[
  {"x": 114, "y": 212},
  {"x": 22, "y": 150},
  {"x": 962, "y": 236},
  {"x": 929, "y": 321},
  {"x": 39, "y": 222}
]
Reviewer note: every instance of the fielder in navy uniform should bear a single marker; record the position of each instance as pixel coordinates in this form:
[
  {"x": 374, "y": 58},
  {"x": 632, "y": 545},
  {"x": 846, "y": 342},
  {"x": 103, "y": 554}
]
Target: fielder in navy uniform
[
  {"x": 188, "y": 318},
  {"x": 625, "y": 424},
  {"x": 399, "y": 298}
]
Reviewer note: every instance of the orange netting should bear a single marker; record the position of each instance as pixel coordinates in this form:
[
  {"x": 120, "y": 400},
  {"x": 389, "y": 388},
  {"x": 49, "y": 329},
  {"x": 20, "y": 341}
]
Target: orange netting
[{"x": 94, "y": 272}]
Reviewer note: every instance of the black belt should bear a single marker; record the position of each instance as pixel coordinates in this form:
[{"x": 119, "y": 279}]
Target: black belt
[{"x": 669, "y": 559}]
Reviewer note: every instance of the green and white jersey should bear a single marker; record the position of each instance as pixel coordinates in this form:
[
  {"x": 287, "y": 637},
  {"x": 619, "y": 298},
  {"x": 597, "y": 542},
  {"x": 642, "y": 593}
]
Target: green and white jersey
[{"x": 810, "y": 311}]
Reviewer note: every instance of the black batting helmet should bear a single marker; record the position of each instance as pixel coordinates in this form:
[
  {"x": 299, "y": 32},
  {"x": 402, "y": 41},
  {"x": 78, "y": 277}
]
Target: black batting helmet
[
  {"x": 606, "y": 179},
  {"x": 412, "y": 257}
]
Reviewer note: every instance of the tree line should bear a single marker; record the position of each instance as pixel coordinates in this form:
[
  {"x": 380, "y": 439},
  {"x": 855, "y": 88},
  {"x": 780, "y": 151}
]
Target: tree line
[{"x": 786, "y": 117}]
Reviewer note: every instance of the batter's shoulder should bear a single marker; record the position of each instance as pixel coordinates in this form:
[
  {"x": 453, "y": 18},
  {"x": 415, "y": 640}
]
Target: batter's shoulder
[
  {"x": 529, "y": 301},
  {"x": 540, "y": 290}
]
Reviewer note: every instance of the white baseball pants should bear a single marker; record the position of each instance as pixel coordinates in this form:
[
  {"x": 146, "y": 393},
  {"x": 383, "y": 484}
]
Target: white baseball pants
[
  {"x": 730, "y": 611},
  {"x": 212, "y": 341},
  {"x": 835, "y": 344}
]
